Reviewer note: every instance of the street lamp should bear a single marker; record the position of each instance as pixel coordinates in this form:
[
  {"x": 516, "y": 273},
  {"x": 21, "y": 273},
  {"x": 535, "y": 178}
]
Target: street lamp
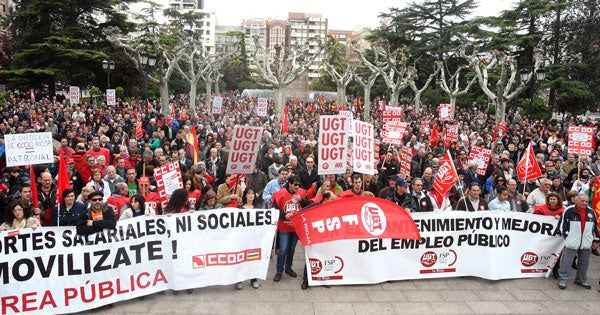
[
  {"x": 108, "y": 65},
  {"x": 540, "y": 75},
  {"x": 147, "y": 61}
]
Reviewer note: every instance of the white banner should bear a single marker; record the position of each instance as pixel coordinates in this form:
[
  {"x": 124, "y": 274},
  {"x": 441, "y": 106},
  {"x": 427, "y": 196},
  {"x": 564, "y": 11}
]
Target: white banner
[
  {"x": 487, "y": 244},
  {"x": 333, "y": 144},
  {"x": 74, "y": 95},
  {"x": 262, "y": 108},
  {"x": 28, "y": 148},
  {"x": 55, "y": 271},
  {"x": 217, "y": 104},
  {"x": 244, "y": 147},
  {"x": 362, "y": 153},
  {"x": 111, "y": 97}
]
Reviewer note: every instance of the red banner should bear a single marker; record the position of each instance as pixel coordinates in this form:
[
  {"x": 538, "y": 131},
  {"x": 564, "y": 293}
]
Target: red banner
[
  {"x": 354, "y": 218},
  {"x": 482, "y": 157},
  {"x": 581, "y": 140},
  {"x": 528, "y": 168},
  {"x": 446, "y": 176}
]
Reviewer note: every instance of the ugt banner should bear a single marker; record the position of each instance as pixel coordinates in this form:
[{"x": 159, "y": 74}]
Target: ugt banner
[
  {"x": 244, "y": 153},
  {"x": 488, "y": 244},
  {"x": 55, "y": 271}
]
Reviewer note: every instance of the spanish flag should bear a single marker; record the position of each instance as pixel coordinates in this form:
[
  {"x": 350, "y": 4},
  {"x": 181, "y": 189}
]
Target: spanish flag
[{"x": 194, "y": 144}]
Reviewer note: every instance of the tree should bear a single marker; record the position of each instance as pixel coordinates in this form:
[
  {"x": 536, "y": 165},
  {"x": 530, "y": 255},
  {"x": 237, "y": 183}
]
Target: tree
[
  {"x": 59, "y": 40},
  {"x": 366, "y": 79},
  {"x": 338, "y": 67},
  {"x": 236, "y": 71},
  {"x": 452, "y": 85},
  {"x": 418, "y": 92},
  {"x": 287, "y": 65}
]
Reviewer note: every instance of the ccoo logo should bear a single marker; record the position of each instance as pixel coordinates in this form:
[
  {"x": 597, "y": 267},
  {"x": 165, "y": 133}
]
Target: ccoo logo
[{"x": 529, "y": 259}]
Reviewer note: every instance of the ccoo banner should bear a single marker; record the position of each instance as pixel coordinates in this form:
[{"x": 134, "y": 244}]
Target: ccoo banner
[
  {"x": 55, "y": 271},
  {"x": 488, "y": 244}
]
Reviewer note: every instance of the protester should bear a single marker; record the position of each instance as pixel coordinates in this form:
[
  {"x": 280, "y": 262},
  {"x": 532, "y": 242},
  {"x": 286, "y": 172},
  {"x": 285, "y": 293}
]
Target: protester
[
  {"x": 18, "y": 216},
  {"x": 402, "y": 197},
  {"x": 209, "y": 201},
  {"x": 136, "y": 207},
  {"x": 249, "y": 201},
  {"x": 68, "y": 212},
  {"x": 500, "y": 203},
  {"x": 472, "y": 201},
  {"x": 97, "y": 217},
  {"x": 553, "y": 206}
]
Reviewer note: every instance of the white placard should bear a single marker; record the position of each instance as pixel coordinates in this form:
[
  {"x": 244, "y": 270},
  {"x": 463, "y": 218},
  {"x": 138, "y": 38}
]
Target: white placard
[
  {"x": 29, "y": 148},
  {"x": 217, "y": 104},
  {"x": 74, "y": 95},
  {"x": 333, "y": 144},
  {"x": 262, "y": 108},
  {"x": 111, "y": 97},
  {"x": 362, "y": 153},
  {"x": 244, "y": 146}
]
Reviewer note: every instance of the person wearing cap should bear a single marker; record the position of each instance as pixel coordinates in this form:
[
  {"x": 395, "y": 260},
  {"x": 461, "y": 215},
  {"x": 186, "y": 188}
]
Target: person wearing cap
[
  {"x": 388, "y": 190},
  {"x": 98, "y": 217},
  {"x": 401, "y": 196}
]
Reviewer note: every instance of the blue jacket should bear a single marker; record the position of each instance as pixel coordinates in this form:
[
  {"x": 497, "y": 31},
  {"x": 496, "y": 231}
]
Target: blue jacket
[{"x": 569, "y": 227}]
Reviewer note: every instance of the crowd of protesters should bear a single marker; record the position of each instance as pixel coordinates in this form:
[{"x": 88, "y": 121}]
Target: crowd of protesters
[{"x": 110, "y": 164}]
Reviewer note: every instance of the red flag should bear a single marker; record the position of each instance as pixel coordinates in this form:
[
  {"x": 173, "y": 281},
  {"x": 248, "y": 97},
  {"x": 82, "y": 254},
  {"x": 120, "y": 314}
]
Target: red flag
[
  {"x": 596, "y": 198},
  {"x": 284, "y": 120},
  {"x": 34, "y": 192},
  {"x": 439, "y": 198},
  {"x": 528, "y": 168},
  {"x": 62, "y": 183},
  {"x": 298, "y": 103},
  {"x": 434, "y": 136},
  {"x": 139, "y": 131},
  {"x": 195, "y": 144},
  {"x": 446, "y": 176},
  {"x": 364, "y": 217},
  {"x": 173, "y": 110},
  {"x": 149, "y": 105}
]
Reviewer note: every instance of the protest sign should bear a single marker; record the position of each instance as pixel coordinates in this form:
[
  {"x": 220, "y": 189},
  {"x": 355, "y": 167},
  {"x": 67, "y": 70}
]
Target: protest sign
[
  {"x": 333, "y": 144},
  {"x": 482, "y": 157},
  {"x": 349, "y": 122},
  {"x": 28, "y": 148},
  {"x": 445, "y": 111},
  {"x": 581, "y": 140},
  {"x": 74, "y": 95},
  {"x": 262, "y": 109},
  {"x": 55, "y": 271},
  {"x": 393, "y": 132},
  {"x": 406, "y": 160},
  {"x": 217, "y": 104},
  {"x": 168, "y": 179},
  {"x": 488, "y": 244},
  {"x": 244, "y": 147},
  {"x": 111, "y": 97},
  {"x": 362, "y": 153},
  {"x": 390, "y": 116}
]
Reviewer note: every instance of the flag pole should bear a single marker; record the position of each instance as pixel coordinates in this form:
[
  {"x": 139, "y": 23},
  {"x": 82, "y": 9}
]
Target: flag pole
[{"x": 526, "y": 163}]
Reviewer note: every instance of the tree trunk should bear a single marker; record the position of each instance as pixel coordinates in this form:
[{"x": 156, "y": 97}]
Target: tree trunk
[
  {"x": 163, "y": 88},
  {"x": 366, "y": 103},
  {"x": 208, "y": 84},
  {"x": 193, "y": 96},
  {"x": 500, "y": 104},
  {"x": 452, "y": 105},
  {"x": 394, "y": 97},
  {"x": 279, "y": 95},
  {"x": 217, "y": 87},
  {"x": 341, "y": 95},
  {"x": 417, "y": 101}
]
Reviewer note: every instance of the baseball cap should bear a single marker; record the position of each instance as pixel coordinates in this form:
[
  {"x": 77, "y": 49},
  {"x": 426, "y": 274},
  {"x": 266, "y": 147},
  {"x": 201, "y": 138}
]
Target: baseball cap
[
  {"x": 70, "y": 160},
  {"x": 401, "y": 182}
]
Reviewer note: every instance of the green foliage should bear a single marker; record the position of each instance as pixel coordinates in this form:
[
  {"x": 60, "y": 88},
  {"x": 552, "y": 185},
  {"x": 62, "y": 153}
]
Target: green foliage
[
  {"x": 94, "y": 91},
  {"x": 119, "y": 91}
]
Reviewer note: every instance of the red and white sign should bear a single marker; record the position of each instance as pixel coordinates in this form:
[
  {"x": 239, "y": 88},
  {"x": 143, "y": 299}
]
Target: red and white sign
[
  {"x": 451, "y": 134},
  {"x": 393, "y": 108},
  {"x": 350, "y": 116},
  {"x": 482, "y": 157},
  {"x": 262, "y": 109},
  {"x": 362, "y": 153},
  {"x": 217, "y": 104},
  {"x": 581, "y": 140},
  {"x": 111, "y": 97},
  {"x": 528, "y": 168},
  {"x": 393, "y": 132},
  {"x": 390, "y": 116},
  {"x": 446, "y": 249},
  {"x": 425, "y": 125},
  {"x": 333, "y": 144},
  {"x": 445, "y": 112},
  {"x": 168, "y": 179},
  {"x": 74, "y": 95},
  {"x": 354, "y": 218},
  {"x": 244, "y": 149},
  {"x": 406, "y": 160},
  {"x": 446, "y": 176}
]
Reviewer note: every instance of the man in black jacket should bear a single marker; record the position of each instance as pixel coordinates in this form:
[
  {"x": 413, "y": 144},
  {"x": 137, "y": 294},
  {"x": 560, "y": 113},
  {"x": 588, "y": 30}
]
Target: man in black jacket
[{"x": 98, "y": 217}]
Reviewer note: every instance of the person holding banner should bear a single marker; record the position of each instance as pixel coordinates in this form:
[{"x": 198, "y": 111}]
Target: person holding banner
[
  {"x": 230, "y": 192},
  {"x": 67, "y": 213},
  {"x": 553, "y": 206},
  {"x": 249, "y": 201},
  {"x": 500, "y": 202},
  {"x": 98, "y": 216},
  {"x": 356, "y": 189},
  {"x": 288, "y": 200},
  {"x": 18, "y": 216},
  {"x": 578, "y": 227}
]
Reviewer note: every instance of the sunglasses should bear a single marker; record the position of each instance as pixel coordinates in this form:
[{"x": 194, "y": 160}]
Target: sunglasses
[
  {"x": 295, "y": 184},
  {"x": 96, "y": 199}
]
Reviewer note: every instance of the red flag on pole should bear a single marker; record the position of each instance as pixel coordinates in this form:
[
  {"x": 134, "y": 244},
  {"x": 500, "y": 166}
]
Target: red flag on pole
[
  {"x": 446, "y": 176},
  {"x": 528, "y": 168},
  {"x": 434, "y": 136},
  {"x": 62, "y": 183},
  {"x": 34, "y": 192},
  {"x": 195, "y": 144},
  {"x": 284, "y": 120},
  {"x": 139, "y": 131},
  {"x": 596, "y": 198}
]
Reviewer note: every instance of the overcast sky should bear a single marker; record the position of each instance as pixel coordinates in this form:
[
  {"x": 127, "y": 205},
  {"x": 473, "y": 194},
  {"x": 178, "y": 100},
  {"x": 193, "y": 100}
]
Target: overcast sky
[{"x": 342, "y": 14}]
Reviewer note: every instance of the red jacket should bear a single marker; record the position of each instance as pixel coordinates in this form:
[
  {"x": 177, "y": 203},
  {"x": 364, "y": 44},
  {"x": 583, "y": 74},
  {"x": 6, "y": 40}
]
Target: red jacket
[{"x": 282, "y": 200}]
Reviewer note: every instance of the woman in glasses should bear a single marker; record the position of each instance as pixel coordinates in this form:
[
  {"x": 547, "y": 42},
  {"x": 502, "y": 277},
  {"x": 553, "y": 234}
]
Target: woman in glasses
[{"x": 18, "y": 216}]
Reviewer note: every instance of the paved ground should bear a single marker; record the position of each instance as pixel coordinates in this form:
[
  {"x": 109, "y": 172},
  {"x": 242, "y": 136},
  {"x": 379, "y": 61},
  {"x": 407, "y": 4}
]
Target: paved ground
[{"x": 439, "y": 296}]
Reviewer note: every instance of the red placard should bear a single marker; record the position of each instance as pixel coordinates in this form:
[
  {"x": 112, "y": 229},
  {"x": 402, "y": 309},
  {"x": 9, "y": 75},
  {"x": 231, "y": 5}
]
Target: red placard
[
  {"x": 354, "y": 218},
  {"x": 406, "y": 160},
  {"x": 581, "y": 140},
  {"x": 482, "y": 157}
]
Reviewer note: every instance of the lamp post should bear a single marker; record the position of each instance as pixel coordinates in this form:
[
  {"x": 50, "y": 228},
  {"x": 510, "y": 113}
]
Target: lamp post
[
  {"x": 147, "y": 61},
  {"x": 108, "y": 65},
  {"x": 540, "y": 75}
]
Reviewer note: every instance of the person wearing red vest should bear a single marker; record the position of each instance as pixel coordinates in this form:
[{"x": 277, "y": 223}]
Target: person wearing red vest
[
  {"x": 119, "y": 200},
  {"x": 288, "y": 200}
]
